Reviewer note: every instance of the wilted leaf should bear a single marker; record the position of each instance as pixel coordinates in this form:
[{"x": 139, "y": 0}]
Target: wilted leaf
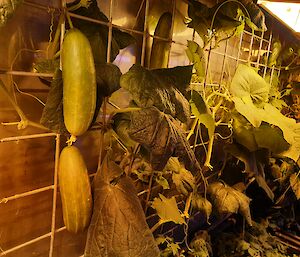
[
  {"x": 161, "y": 88},
  {"x": 167, "y": 209},
  {"x": 52, "y": 116},
  {"x": 228, "y": 200},
  {"x": 201, "y": 245},
  {"x": 200, "y": 110},
  {"x": 246, "y": 82},
  {"x": 182, "y": 178},
  {"x": 118, "y": 226},
  {"x": 161, "y": 135},
  {"x": 201, "y": 204},
  {"x": 295, "y": 184}
]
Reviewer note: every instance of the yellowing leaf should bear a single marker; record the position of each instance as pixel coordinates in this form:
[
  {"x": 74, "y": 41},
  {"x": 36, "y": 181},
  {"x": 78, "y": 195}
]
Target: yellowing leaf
[
  {"x": 228, "y": 200},
  {"x": 295, "y": 184},
  {"x": 167, "y": 209},
  {"x": 196, "y": 56}
]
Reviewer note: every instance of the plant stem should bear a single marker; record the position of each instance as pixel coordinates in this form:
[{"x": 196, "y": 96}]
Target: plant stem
[
  {"x": 156, "y": 226},
  {"x": 69, "y": 20},
  {"x": 24, "y": 121},
  {"x": 192, "y": 129},
  {"x": 54, "y": 46}
]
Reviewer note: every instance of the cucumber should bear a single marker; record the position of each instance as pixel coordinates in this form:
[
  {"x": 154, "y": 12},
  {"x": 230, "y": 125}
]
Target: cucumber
[
  {"x": 161, "y": 49},
  {"x": 75, "y": 190},
  {"x": 79, "y": 82}
]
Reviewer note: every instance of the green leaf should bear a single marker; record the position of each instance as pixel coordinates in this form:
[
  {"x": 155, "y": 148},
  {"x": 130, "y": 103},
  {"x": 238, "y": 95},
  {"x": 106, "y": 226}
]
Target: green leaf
[
  {"x": 163, "y": 137},
  {"x": 246, "y": 82},
  {"x": 108, "y": 81},
  {"x": 162, "y": 181},
  {"x": 167, "y": 209},
  {"x": 295, "y": 184},
  {"x": 201, "y": 112},
  {"x": 46, "y": 66},
  {"x": 289, "y": 127},
  {"x": 246, "y": 107},
  {"x": 98, "y": 34},
  {"x": 196, "y": 56},
  {"x": 52, "y": 116},
  {"x": 162, "y": 88},
  {"x": 270, "y": 138},
  {"x": 108, "y": 78},
  {"x": 243, "y": 133}
]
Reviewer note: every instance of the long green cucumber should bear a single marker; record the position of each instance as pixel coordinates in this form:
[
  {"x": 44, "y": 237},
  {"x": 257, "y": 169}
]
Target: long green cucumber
[
  {"x": 79, "y": 82},
  {"x": 75, "y": 189}
]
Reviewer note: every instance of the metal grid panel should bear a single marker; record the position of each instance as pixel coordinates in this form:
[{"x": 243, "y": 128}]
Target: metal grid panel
[{"x": 222, "y": 56}]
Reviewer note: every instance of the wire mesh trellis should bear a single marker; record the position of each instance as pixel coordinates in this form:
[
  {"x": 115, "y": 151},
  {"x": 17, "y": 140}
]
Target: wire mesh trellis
[{"x": 221, "y": 56}]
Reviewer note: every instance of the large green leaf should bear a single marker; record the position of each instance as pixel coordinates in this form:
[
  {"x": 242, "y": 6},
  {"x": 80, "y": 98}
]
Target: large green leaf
[
  {"x": 264, "y": 136},
  {"x": 247, "y": 82},
  {"x": 162, "y": 88},
  {"x": 118, "y": 226},
  {"x": 167, "y": 209}
]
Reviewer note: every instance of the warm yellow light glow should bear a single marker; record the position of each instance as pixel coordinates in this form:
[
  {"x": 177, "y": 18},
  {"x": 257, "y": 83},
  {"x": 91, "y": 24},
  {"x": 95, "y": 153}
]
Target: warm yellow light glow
[{"x": 289, "y": 13}]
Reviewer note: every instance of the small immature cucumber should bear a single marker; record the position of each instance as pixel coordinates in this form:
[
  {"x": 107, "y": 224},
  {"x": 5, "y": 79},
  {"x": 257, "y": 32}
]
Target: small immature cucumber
[
  {"x": 75, "y": 189},
  {"x": 79, "y": 82}
]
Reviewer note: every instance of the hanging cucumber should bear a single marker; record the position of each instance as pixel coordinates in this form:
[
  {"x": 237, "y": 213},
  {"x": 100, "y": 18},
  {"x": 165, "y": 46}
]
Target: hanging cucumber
[
  {"x": 75, "y": 190},
  {"x": 79, "y": 83},
  {"x": 161, "y": 49}
]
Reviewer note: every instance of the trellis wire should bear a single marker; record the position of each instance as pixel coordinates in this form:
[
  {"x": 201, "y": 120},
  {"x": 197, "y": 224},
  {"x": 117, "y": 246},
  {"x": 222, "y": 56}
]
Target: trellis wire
[{"x": 145, "y": 34}]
